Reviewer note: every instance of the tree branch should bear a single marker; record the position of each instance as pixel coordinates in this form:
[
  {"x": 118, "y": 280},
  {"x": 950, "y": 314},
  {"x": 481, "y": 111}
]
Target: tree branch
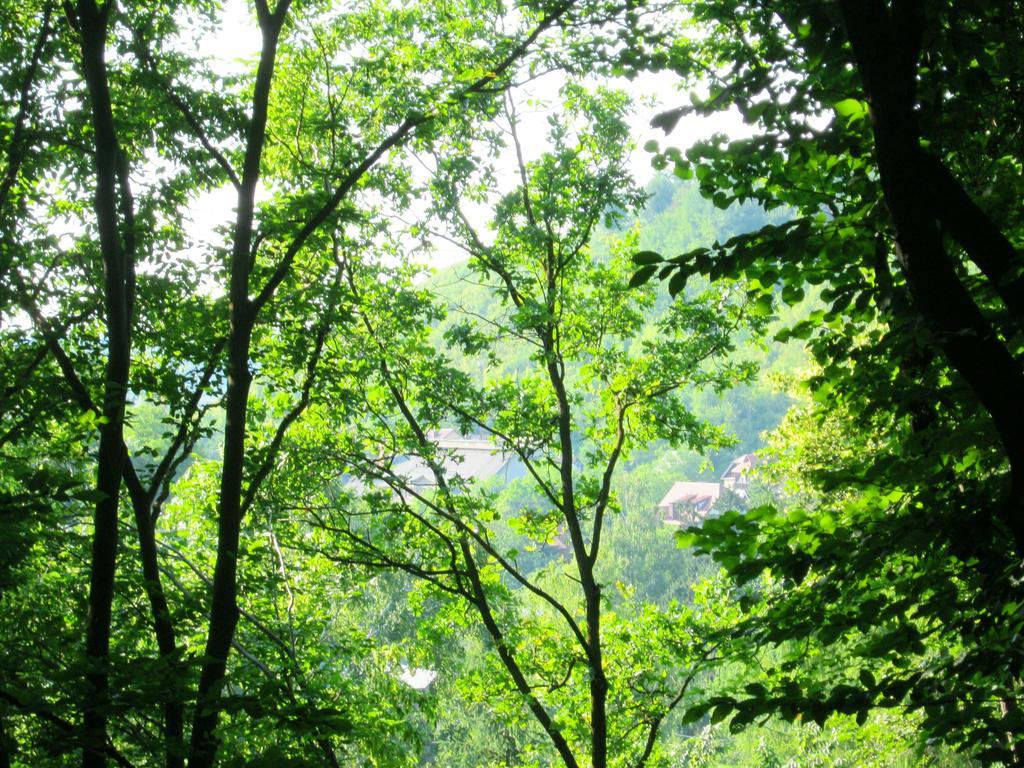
[
  {"x": 167, "y": 88},
  {"x": 396, "y": 138}
]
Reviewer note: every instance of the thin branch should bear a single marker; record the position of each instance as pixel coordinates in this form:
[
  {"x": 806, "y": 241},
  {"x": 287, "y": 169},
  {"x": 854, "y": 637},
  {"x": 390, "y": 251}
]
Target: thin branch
[
  {"x": 167, "y": 88},
  {"x": 652, "y": 734},
  {"x": 396, "y": 138},
  {"x": 442, "y": 484},
  {"x": 247, "y": 615},
  {"x": 164, "y": 468},
  {"x": 66, "y": 726},
  {"x": 384, "y": 560},
  {"x": 15, "y": 152},
  {"x": 510, "y": 108},
  {"x": 524, "y": 176},
  {"x": 468, "y": 532},
  {"x": 483, "y": 256},
  {"x": 296, "y": 410},
  {"x": 169, "y": 573},
  {"x": 508, "y": 659},
  {"x": 603, "y": 495},
  {"x": 392, "y": 481},
  {"x": 477, "y": 537},
  {"x": 284, "y": 580},
  {"x": 328, "y": 208},
  {"x": 520, "y": 452}
]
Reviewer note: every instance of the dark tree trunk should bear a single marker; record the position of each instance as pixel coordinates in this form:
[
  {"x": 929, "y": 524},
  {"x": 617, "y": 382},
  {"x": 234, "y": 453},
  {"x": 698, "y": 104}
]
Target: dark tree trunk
[
  {"x": 584, "y": 563},
  {"x": 163, "y": 628},
  {"x": 921, "y": 195},
  {"x": 224, "y": 604},
  {"x": 92, "y": 23},
  {"x": 598, "y": 679}
]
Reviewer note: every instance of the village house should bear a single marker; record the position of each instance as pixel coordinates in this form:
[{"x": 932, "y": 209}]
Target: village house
[
  {"x": 469, "y": 457},
  {"x": 737, "y": 477},
  {"x": 687, "y": 503}
]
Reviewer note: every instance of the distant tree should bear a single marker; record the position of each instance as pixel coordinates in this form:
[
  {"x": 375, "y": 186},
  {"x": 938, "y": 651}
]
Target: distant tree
[{"x": 598, "y": 682}]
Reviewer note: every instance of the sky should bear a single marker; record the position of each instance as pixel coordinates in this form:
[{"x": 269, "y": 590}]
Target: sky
[{"x": 235, "y": 48}]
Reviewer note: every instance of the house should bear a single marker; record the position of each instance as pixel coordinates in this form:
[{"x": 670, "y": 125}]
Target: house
[
  {"x": 468, "y": 457},
  {"x": 737, "y": 477},
  {"x": 687, "y": 503}
]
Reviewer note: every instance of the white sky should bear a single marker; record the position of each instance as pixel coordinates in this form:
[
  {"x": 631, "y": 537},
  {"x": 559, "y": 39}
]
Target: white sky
[{"x": 235, "y": 49}]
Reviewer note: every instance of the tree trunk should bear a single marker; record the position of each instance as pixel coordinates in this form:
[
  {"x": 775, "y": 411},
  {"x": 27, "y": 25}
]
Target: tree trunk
[
  {"x": 584, "y": 564},
  {"x": 885, "y": 46},
  {"x": 93, "y": 29},
  {"x": 163, "y": 628},
  {"x": 224, "y": 604},
  {"x": 598, "y": 679},
  {"x": 224, "y": 600}
]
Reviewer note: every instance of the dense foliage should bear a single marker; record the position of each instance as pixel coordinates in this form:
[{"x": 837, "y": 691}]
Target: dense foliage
[
  {"x": 273, "y": 494},
  {"x": 889, "y": 134}
]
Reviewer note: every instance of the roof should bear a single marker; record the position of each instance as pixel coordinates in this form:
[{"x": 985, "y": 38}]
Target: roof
[
  {"x": 690, "y": 493},
  {"x": 741, "y": 465},
  {"x": 470, "y": 457}
]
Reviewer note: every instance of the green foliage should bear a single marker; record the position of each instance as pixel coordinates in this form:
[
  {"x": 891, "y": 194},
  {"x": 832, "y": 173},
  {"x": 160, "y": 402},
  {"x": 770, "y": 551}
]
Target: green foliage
[
  {"x": 884, "y": 741},
  {"x": 561, "y": 623},
  {"x": 594, "y": 386},
  {"x": 347, "y": 93},
  {"x": 899, "y": 550}
]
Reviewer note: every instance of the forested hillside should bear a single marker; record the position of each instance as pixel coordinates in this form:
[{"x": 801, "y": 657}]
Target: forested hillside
[{"x": 721, "y": 470}]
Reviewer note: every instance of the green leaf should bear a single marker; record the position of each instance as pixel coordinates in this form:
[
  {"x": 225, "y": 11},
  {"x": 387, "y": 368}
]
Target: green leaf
[
  {"x": 720, "y": 712},
  {"x": 642, "y": 276},
  {"x": 677, "y": 283},
  {"x": 685, "y": 539},
  {"x": 647, "y": 257},
  {"x": 756, "y": 689},
  {"x": 851, "y": 109},
  {"x": 792, "y": 294},
  {"x": 762, "y": 306},
  {"x": 694, "y": 713}
]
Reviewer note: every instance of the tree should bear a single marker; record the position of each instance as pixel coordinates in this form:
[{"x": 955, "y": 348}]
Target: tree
[
  {"x": 888, "y": 131},
  {"x": 104, "y": 310},
  {"x": 598, "y": 682}
]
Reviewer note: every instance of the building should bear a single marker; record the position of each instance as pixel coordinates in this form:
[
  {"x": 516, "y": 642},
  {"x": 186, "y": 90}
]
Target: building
[
  {"x": 737, "y": 477},
  {"x": 468, "y": 457},
  {"x": 687, "y": 503}
]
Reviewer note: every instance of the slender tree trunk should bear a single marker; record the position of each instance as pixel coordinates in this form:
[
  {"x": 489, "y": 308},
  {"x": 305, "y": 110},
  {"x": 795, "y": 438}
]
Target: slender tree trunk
[
  {"x": 163, "y": 628},
  {"x": 174, "y": 715},
  {"x": 598, "y": 679},
  {"x": 224, "y": 601},
  {"x": 92, "y": 22},
  {"x": 584, "y": 564},
  {"x": 505, "y": 653}
]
